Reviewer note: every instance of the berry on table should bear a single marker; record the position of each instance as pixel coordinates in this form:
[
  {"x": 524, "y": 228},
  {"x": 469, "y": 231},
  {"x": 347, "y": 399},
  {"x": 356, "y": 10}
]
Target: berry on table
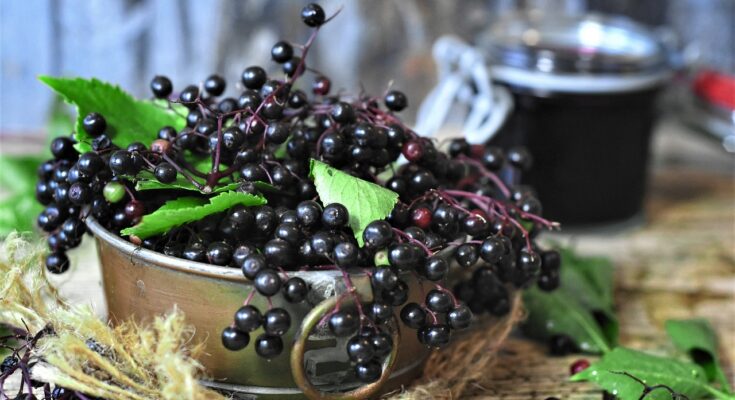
[{"x": 578, "y": 366}]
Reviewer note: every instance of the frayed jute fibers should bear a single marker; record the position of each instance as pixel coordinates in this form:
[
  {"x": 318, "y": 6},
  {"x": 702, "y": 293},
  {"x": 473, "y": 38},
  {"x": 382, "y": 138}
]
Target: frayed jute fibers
[
  {"x": 463, "y": 366},
  {"x": 128, "y": 362},
  {"x": 158, "y": 360}
]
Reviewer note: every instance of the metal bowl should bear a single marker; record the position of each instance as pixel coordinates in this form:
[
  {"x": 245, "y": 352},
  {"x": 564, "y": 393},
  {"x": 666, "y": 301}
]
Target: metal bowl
[{"x": 141, "y": 284}]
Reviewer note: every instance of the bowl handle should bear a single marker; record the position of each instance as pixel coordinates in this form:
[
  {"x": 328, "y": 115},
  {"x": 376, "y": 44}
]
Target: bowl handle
[{"x": 297, "y": 358}]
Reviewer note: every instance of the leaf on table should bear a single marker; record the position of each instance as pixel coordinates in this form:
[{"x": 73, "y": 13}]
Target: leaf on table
[
  {"x": 577, "y": 286},
  {"x": 684, "y": 378},
  {"x": 697, "y": 338},
  {"x": 557, "y": 313},
  {"x": 365, "y": 201},
  {"x": 187, "y": 209},
  {"x": 586, "y": 292},
  {"x": 128, "y": 119},
  {"x": 598, "y": 271}
]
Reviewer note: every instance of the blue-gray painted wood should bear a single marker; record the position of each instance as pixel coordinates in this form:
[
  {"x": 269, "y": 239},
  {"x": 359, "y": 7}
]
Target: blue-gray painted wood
[{"x": 370, "y": 44}]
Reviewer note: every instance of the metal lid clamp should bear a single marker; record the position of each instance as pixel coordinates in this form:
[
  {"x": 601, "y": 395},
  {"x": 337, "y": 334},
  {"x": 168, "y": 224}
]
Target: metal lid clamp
[{"x": 463, "y": 82}]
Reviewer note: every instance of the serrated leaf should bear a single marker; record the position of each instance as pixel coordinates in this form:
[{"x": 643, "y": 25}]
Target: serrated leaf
[
  {"x": 128, "y": 120},
  {"x": 181, "y": 184},
  {"x": 146, "y": 181},
  {"x": 187, "y": 209},
  {"x": 60, "y": 122},
  {"x": 682, "y": 377},
  {"x": 365, "y": 201},
  {"x": 697, "y": 338},
  {"x": 556, "y": 313}
]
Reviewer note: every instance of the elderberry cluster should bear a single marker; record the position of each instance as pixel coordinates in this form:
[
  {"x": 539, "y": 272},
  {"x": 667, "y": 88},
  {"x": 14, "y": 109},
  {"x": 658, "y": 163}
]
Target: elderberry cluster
[{"x": 456, "y": 219}]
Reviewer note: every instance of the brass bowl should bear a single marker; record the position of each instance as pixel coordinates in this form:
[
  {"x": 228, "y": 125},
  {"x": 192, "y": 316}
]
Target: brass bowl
[{"x": 141, "y": 284}]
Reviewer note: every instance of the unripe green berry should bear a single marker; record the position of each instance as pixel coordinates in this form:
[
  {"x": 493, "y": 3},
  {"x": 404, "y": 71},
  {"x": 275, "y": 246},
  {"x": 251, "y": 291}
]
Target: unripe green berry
[{"x": 113, "y": 192}]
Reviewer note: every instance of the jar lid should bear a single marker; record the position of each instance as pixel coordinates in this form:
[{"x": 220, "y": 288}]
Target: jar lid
[{"x": 542, "y": 50}]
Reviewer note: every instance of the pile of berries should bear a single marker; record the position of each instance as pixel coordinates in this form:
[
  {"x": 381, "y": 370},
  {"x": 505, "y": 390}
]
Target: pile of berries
[{"x": 455, "y": 212}]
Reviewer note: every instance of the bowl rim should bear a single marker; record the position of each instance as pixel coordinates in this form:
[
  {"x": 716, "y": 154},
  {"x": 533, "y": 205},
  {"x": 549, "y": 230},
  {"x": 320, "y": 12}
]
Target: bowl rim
[{"x": 183, "y": 265}]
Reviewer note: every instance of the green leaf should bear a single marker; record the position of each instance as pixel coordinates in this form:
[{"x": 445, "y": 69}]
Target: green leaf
[
  {"x": 60, "y": 122},
  {"x": 19, "y": 209},
  {"x": 581, "y": 308},
  {"x": 18, "y": 213},
  {"x": 575, "y": 285},
  {"x": 682, "y": 377},
  {"x": 187, "y": 209},
  {"x": 146, "y": 181},
  {"x": 203, "y": 164},
  {"x": 128, "y": 120},
  {"x": 365, "y": 201},
  {"x": 557, "y": 313},
  {"x": 18, "y": 173},
  {"x": 697, "y": 338},
  {"x": 597, "y": 271}
]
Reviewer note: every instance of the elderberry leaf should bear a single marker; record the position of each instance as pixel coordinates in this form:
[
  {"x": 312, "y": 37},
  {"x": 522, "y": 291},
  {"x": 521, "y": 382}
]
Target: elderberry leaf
[
  {"x": 183, "y": 210},
  {"x": 60, "y": 123},
  {"x": 19, "y": 209},
  {"x": 697, "y": 338},
  {"x": 146, "y": 181},
  {"x": 682, "y": 377},
  {"x": 365, "y": 201},
  {"x": 597, "y": 271},
  {"x": 581, "y": 308},
  {"x": 128, "y": 119},
  {"x": 17, "y": 213},
  {"x": 557, "y": 313},
  {"x": 19, "y": 172}
]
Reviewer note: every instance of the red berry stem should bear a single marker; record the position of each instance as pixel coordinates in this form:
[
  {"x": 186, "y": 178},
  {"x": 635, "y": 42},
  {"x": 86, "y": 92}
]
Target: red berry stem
[
  {"x": 496, "y": 180},
  {"x": 412, "y": 240},
  {"x": 353, "y": 291},
  {"x": 185, "y": 174},
  {"x": 217, "y": 152}
]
